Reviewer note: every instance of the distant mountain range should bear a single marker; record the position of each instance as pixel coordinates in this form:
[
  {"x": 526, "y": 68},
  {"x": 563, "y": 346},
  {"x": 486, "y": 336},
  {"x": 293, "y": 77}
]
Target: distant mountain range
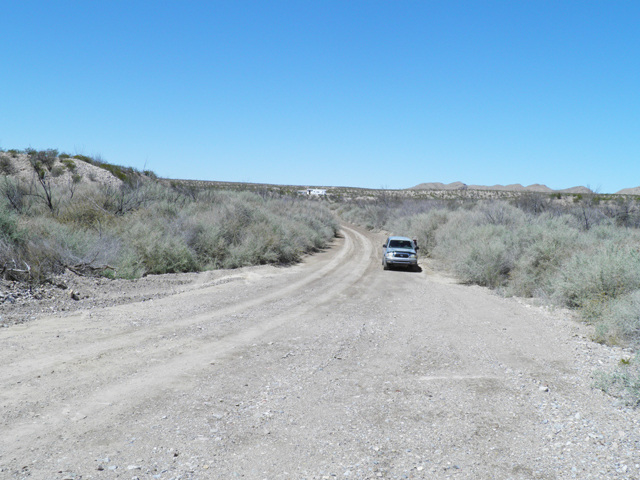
[{"x": 515, "y": 187}]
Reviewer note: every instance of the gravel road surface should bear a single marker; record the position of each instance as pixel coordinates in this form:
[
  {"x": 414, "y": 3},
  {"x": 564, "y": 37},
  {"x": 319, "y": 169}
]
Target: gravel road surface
[{"x": 329, "y": 369}]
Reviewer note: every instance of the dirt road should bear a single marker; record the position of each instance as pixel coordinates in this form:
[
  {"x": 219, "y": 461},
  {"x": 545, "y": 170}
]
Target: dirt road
[{"x": 332, "y": 368}]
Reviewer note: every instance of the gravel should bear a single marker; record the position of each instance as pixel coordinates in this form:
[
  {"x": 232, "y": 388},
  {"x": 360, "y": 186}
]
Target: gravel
[{"x": 331, "y": 369}]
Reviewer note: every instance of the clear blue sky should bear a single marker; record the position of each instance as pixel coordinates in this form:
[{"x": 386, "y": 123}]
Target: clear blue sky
[{"x": 345, "y": 93}]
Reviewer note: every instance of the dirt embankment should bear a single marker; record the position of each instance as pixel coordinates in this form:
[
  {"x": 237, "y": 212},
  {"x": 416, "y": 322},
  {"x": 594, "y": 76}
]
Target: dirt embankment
[
  {"x": 332, "y": 368},
  {"x": 63, "y": 171}
]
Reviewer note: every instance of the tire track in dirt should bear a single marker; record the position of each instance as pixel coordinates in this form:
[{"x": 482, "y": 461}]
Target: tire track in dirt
[
  {"x": 108, "y": 343},
  {"x": 341, "y": 272}
]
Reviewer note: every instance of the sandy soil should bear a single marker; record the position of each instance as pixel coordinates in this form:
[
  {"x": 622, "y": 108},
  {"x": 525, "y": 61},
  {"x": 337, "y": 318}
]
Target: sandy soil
[{"x": 332, "y": 368}]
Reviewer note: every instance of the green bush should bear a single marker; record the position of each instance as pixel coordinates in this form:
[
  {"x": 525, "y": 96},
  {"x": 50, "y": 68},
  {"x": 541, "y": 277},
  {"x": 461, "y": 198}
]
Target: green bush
[
  {"x": 84, "y": 158},
  {"x": 6, "y": 166},
  {"x": 70, "y": 164}
]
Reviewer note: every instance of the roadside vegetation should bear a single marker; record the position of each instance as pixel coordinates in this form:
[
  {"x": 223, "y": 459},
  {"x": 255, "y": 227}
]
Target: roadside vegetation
[
  {"x": 141, "y": 225},
  {"x": 583, "y": 254}
]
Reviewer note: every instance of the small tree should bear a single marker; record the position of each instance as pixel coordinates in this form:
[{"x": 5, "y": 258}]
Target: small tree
[{"x": 42, "y": 163}]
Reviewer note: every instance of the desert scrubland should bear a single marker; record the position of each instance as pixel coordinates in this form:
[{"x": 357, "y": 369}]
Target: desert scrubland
[
  {"x": 184, "y": 331},
  {"x": 129, "y": 224}
]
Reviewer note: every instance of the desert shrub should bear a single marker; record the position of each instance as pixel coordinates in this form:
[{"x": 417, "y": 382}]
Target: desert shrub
[
  {"x": 546, "y": 245},
  {"x": 474, "y": 244},
  {"x": 481, "y": 254},
  {"x": 206, "y": 240},
  {"x": 43, "y": 166},
  {"x": 16, "y": 195},
  {"x": 263, "y": 243},
  {"x": 63, "y": 156},
  {"x": 220, "y": 230},
  {"x": 10, "y": 231},
  {"x": 6, "y": 253},
  {"x": 82, "y": 212},
  {"x": 68, "y": 163},
  {"x": 371, "y": 216},
  {"x": 534, "y": 203},
  {"x": 11, "y": 236},
  {"x": 321, "y": 225},
  {"x": 244, "y": 229},
  {"x": 625, "y": 212},
  {"x": 57, "y": 171},
  {"x": 620, "y": 322},
  {"x": 623, "y": 382},
  {"x": 116, "y": 170},
  {"x": 500, "y": 213},
  {"x": 386, "y": 213},
  {"x": 51, "y": 246},
  {"x": 590, "y": 216},
  {"x": 42, "y": 158},
  {"x": 593, "y": 276},
  {"x": 6, "y": 165},
  {"x": 120, "y": 199},
  {"x": 155, "y": 252},
  {"x": 128, "y": 175}
]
